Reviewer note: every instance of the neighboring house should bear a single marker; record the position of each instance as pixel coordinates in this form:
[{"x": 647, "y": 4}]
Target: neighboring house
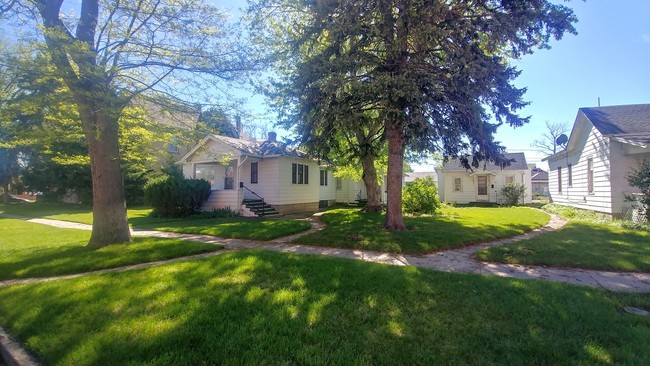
[
  {"x": 410, "y": 177},
  {"x": 482, "y": 184},
  {"x": 539, "y": 182},
  {"x": 286, "y": 179},
  {"x": 605, "y": 144}
]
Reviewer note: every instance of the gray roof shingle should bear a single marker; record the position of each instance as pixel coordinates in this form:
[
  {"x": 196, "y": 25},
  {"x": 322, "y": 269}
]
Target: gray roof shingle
[
  {"x": 628, "y": 120},
  {"x": 261, "y": 149},
  {"x": 519, "y": 163}
]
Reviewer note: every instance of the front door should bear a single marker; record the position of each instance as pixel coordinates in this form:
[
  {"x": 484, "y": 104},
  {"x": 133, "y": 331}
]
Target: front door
[{"x": 482, "y": 194}]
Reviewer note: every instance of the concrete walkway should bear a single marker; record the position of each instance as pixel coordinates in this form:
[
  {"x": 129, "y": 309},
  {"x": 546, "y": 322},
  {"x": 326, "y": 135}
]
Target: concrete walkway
[{"x": 454, "y": 260}]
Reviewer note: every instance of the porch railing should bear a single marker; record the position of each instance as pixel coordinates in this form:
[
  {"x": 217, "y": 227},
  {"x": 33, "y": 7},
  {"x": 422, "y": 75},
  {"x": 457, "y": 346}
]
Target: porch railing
[{"x": 250, "y": 195}]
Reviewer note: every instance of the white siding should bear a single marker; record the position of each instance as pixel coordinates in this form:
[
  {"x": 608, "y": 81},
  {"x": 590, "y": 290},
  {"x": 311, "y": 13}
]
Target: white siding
[
  {"x": 468, "y": 190},
  {"x": 350, "y": 190},
  {"x": 328, "y": 192},
  {"x": 589, "y": 144},
  {"x": 267, "y": 178},
  {"x": 289, "y": 193}
]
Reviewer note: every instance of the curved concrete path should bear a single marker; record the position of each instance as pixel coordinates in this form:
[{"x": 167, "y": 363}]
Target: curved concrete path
[{"x": 453, "y": 260}]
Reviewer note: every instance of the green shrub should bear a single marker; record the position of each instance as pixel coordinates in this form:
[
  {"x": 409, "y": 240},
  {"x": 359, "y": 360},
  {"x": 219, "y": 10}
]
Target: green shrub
[
  {"x": 420, "y": 196},
  {"x": 640, "y": 178},
  {"x": 513, "y": 193},
  {"x": 217, "y": 213},
  {"x": 572, "y": 213},
  {"x": 173, "y": 196}
]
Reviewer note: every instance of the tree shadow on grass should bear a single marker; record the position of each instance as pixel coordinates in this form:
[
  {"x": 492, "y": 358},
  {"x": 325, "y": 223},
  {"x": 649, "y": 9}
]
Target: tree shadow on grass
[
  {"x": 53, "y": 261},
  {"x": 256, "y": 307}
]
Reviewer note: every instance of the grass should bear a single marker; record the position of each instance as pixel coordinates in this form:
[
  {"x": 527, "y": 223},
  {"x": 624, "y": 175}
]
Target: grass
[
  {"x": 451, "y": 227},
  {"x": 35, "y": 250},
  {"x": 255, "y": 307},
  {"x": 238, "y": 228},
  {"x": 580, "y": 244}
]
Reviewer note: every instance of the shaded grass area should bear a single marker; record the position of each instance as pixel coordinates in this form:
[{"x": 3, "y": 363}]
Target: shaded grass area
[
  {"x": 451, "y": 227},
  {"x": 238, "y": 228},
  {"x": 35, "y": 250},
  {"x": 255, "y": 307},
  {"x": 580, "y": 244}
]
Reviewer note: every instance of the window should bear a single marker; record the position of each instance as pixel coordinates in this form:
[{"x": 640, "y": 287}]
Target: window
[
  {"x": 510, "y": 180},
  {"x": 559, "y": 179},
  {"x": 458, "y": 185},
  {"x": 590, "y": 176},
  {"x": 570, "y": 177},
  {"x": 323, "y": 177},
  {"x": 254, "y": 173},
  {"x": 172, "y": 147},
  {"x": 339, "y": 184},
  {"x": 299, "y": 174}
]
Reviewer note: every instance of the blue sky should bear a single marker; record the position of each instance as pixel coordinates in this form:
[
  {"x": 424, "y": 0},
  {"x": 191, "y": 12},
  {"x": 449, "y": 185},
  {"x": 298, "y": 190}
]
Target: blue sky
[{"x": 609, "y": 58}]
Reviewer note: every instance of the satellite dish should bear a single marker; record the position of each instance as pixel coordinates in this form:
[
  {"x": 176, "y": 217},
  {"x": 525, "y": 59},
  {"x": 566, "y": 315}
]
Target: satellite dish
[{"x": 562, "y": 139}]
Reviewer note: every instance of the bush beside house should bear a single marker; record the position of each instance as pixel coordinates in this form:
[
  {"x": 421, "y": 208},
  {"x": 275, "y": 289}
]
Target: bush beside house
[
  {"x": 173, "y": 196},
  {"x": 513, "y": 194}
]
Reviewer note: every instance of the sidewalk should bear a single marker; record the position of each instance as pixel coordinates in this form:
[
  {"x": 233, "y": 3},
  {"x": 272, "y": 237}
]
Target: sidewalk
[{"x": 458, "y": 260}]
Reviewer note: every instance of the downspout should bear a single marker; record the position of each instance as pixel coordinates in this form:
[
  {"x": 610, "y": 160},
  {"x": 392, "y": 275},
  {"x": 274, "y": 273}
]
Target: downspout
[{"x": 240, "y": 190}]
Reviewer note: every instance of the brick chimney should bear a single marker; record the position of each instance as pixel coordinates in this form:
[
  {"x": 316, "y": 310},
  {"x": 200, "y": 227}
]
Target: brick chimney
[{"x": 272, "y": 136}]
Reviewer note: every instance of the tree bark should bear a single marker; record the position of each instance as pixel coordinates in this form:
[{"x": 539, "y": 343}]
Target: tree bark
[
  {"x": 110, "y": 225},
  {"x": 394, "y": 217},
  {"x": 372, "y": 185}
]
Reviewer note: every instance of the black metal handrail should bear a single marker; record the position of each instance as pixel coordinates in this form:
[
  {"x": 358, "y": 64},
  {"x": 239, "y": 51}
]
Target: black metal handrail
[{"x": 250, "y": 195}]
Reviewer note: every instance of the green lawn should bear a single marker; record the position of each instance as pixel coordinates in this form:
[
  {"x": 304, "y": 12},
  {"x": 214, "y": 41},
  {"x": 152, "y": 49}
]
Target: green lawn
[
  {"x": 255, "y": 307},
  {"x": 451, "y": 227},
  {"x": 238, "y": 228},
  {"x": 35, "y": 250},
  {"x": 580, "y": 244}
]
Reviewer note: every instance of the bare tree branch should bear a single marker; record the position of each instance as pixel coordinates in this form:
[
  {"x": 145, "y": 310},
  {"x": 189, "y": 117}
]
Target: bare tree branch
[{"x": 548, "y": 141}]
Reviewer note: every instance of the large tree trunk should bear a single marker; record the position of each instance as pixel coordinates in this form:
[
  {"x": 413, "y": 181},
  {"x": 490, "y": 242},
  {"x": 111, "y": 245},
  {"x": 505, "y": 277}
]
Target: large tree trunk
[
  {"x": 394, "y": 217},
  {"x": 110, "y": 225},
  {"x": 372, "y": 184},
  {"x": 5, "y": 192}
]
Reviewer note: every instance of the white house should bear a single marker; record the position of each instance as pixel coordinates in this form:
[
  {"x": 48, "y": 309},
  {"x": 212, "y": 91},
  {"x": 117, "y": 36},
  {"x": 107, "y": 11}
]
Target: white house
[
  {"x": 243, "y": 173},
  {"x": 483, "y": 184},
  {"x": 605, "y": 144}
]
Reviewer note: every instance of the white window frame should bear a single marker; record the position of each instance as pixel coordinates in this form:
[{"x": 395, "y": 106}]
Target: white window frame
[{"x": 458, "y": 187}]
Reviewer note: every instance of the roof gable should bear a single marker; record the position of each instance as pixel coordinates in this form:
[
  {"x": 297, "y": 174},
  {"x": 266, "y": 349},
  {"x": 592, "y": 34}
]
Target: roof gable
[
  {"x": 620, "y": 119},
  {"x": 518, "y": 163},
  {"x": 246, "y": 147},
  {"x": 625, "y": 123}
]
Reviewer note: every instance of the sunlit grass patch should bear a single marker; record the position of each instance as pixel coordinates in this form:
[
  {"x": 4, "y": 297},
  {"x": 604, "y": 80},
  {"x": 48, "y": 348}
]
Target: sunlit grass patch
[
  {"x": 271, "y": 308},
  {"x": 581, "y": 244},
  {"x": 35, "y": 250},
  {"x": 450, "y": 227}
]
